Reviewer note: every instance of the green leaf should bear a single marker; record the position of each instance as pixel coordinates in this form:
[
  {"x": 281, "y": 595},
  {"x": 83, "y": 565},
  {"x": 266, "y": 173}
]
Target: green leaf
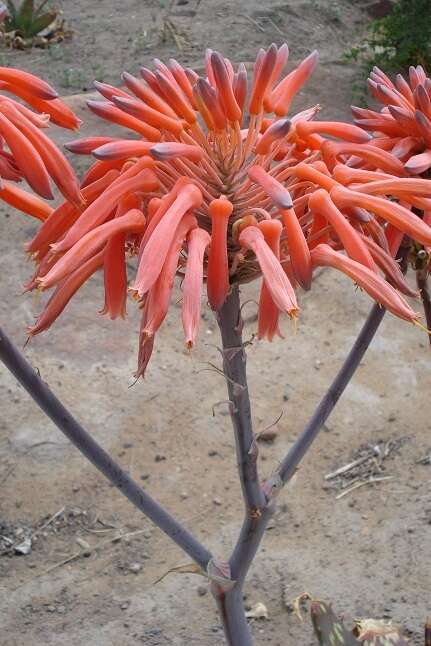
[
  {"x": 25, "y": 12},
  {"x": 24, "y": 17},
  {"x": 12, "y": 10},
  {"x": 42, "y": 22}
]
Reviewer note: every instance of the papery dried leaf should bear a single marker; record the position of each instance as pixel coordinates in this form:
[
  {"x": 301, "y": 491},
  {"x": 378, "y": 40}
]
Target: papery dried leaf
[
  {"x": 189, "y": 568},
  {"x": 258, "y": 611},
  {"x": 376, "y": 632},
  {"x": 219, "y": 573}
]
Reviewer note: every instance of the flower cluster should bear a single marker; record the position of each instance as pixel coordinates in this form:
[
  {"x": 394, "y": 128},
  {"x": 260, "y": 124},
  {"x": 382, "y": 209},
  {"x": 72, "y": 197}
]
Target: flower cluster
[
  {"x": 220, "y": 187},
  {"x": 31, "y": 155},
  {"x": 403, "y": 125}
]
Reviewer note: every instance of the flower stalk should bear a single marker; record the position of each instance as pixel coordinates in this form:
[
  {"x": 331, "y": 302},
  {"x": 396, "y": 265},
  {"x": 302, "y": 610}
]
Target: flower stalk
[{"x": 82, "y": 440}]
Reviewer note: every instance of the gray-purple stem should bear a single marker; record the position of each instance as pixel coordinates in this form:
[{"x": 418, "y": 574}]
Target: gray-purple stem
[
  {"x": 423, "y": 286},
  {"x": 230, "y": 602},
  {"x": 257, "y": 510},
  {"x": 54, "y": 409},
  {"x": 333, "y": 394},
  {"x": 234, "y": 366}
]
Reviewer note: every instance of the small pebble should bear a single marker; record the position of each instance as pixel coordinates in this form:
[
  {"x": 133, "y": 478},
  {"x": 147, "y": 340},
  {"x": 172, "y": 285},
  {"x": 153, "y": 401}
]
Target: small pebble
[
  {"x": 202, "y": 590},
  {"x": 268, "y": 435},
  {"x": 217, "y": 501},
  {"x": 135, "y": 568},
  {"x": 124, "y": 606}
]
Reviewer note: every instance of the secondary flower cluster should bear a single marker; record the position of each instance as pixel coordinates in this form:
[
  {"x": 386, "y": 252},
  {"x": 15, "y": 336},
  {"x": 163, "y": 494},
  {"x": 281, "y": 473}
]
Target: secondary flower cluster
[
  {"x": 403, "y": 127},
  {"x": 222, "y": 187},
  {"x": 32, "y": 155}
]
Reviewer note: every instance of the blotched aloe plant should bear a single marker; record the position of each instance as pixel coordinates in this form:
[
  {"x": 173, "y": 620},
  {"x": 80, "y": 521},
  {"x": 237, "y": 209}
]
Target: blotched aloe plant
[{"x": 26, "y": 21}]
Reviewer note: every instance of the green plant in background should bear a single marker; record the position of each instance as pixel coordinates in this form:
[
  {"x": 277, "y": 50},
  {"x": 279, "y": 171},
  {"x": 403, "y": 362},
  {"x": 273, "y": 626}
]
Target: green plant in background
[
  {"x": 403, "y": 37},
  {"x": 28, "y": 20},
  {"x": 400, "y": 39},
  {"x": 31, "y": 25}
]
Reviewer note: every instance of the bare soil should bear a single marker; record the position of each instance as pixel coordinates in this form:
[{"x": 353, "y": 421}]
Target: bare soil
[{"x": 368, "y": 551}]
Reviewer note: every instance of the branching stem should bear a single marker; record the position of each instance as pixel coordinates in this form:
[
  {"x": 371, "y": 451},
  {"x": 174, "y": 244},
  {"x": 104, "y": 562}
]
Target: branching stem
[
  {"x": 423, "y": 286},
  {"x": 234, "y": 365},
  {"x": 54, "y": 409},
  {"x": 259, "y": 500},
  {"x": 333, "y": 394}
]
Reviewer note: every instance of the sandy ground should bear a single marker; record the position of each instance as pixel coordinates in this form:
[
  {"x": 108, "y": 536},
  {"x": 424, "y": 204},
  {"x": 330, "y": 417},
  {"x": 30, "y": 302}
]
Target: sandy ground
[{"x": 368, "y": 552}]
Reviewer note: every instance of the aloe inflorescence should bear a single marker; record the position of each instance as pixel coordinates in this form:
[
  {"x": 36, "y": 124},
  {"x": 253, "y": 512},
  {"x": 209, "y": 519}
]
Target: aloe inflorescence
[{"x": 222, "y": 185}]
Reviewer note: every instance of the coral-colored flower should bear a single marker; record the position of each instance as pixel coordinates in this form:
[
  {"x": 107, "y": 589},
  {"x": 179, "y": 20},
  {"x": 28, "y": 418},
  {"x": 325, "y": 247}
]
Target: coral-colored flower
[
  {"x": 224, "y": 190},
  {"x": 31, "y": 155}
]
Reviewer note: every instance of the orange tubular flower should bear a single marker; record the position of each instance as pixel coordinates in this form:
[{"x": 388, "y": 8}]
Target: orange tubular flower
[
  {"x": 282, "y": 292},
  {"x": 25, "y": 202},
  {"x": 321, "y": 202},
  {"x": 220, "y": 211},
  {"x": 31, "y": 155},
  {"x": 373, "y": 284},
  {"x": 115, "y": 272},
  {"x": 64, "y": 293},
  {"x": 225, "y": 191},
  {"x": 133, "y": 221},
  {"x": 197, "y": 243},
  {"x": 269, "y": 314}
]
